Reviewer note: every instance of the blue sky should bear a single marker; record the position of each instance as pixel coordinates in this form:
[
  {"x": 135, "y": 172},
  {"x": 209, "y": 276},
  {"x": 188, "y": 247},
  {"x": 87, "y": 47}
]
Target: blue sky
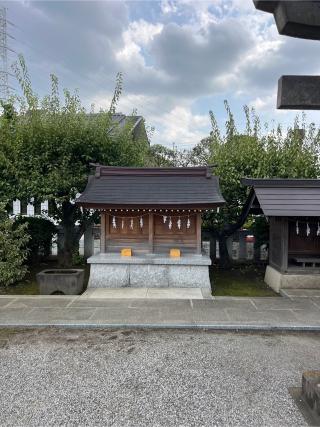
[{"x": 179, "y": 58}]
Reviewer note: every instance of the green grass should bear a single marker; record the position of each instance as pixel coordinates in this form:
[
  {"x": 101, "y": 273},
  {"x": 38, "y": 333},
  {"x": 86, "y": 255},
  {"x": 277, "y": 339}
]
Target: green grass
[
  {"x": 240, "y": 281},
  {"x": 29, "y": 285}
]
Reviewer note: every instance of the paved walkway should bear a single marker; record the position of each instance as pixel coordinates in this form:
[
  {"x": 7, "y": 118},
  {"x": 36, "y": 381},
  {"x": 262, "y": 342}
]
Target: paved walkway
[
  {"x": 148, "y": 293},
  {"x": 289, "y": 312}
]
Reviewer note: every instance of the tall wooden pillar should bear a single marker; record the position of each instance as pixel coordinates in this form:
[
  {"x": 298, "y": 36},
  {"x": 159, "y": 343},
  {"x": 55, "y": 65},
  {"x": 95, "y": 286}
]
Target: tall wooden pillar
[
  {"x": 151, "y": 232},
  {"x": 198, "y": 233},
  {"x": 103, "y": 217}
]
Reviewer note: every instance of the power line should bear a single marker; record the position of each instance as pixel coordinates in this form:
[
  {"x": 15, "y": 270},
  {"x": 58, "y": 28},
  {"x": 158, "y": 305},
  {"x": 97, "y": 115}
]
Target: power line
[{"x": 5, "y": 88}]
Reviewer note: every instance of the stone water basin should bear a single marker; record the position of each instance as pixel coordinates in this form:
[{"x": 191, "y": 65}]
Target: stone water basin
[{"x": 61, "y": 281}]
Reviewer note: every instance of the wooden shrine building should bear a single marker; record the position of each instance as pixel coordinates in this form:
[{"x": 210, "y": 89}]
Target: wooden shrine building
[
  {"x": 150, "y": 225},
  {"x": 292, "y": 207}
]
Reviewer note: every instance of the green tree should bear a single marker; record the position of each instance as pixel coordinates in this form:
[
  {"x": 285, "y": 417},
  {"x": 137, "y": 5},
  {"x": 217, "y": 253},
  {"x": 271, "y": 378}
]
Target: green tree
[
  {"x": 13, "y": 251},
  {"x": 47, "y": 146},
  {"x": 273, "y": 153},
  {"x": 41, "y": 231},
  {"x": 161, "y": 156}
]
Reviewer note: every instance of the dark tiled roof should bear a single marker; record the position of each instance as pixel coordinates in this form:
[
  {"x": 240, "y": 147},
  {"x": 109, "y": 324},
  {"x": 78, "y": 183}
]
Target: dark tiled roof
[
  {"x": 287, "y": 197},
  {"x": 152, "y": 187}
]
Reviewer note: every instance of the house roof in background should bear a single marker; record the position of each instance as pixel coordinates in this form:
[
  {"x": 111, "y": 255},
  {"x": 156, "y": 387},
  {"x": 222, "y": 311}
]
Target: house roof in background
[
  {"x": 286, "y": 197},
  {"x": 110, "y": 187},
  {"x": 120, "y": 120}
]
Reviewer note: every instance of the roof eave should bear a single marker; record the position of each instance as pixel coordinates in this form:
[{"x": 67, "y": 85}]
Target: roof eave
[
  {"x": 281, "y": 182},
  {"x": 94, "y": 205}
]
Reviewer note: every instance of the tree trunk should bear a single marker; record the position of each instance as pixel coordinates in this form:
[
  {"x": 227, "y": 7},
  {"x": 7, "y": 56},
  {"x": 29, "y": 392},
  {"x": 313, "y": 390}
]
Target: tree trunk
[
  {"x": 71, "y": 236},
  {"x": 69, "y": 215},
  {"x": 225, "y": 261},
  {"x": 70, "y": 245}
]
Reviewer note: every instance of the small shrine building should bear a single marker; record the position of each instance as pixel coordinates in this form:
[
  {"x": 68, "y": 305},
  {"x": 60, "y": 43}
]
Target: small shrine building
[
  {"x": 151, "y": 225},
  {"x": 292, "y": 207}
]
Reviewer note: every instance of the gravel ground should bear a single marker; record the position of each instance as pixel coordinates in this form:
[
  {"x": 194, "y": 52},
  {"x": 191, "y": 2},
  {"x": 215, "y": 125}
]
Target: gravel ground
[{"x": 155, "y": 378}]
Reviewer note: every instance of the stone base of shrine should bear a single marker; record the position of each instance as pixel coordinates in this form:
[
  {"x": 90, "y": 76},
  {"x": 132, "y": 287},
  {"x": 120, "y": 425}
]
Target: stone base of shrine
[
  {"x": 149, "y": 271},
  {"x": 277, "y": 280}
]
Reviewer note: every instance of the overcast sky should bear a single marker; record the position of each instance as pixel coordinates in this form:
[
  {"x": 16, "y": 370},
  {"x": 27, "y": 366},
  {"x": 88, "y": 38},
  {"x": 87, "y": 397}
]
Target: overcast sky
[{"x": 179, "y": 59}]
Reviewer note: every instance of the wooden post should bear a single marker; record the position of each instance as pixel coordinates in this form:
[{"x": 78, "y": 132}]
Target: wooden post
[
  {"x": 103, "y": 218},
  {"x": 151, "y": 232},
  {"x": 88, "y": 241},
  {"x": 198, "y": 233},
  {"x": 285, "y": 241}
]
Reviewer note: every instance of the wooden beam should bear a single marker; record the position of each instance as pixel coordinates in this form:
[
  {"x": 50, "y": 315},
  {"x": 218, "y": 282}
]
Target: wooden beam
[
  {"x": 198, "y": 233},
  {"x": 299, "y": 18},
  {"x": 103, "y": 219},
  {"x": 299, "y": 93},
  {"x": 151, "y": 232}
]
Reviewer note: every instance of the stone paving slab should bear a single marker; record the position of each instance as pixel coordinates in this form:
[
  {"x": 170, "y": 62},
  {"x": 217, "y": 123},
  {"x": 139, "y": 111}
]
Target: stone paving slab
[
  {"x": 272, "y": 316},
  {"x": 208, "y": 315},
  {"x": 40, "y": 302},
  {"x": 5, "y": 301},
  {"x": 221, "y": 313},
  {"x": 300, "y": 293},
  {"x": 175, "y": 293},
  {"x": 143, "y": 293},
  {"x": 54, "y": 314},
  {"x": 126, "y": 293},
  {"x": 99, "y": 302},
  {"x": 283, "y": 303},
  {"x": 316, "y": 302}
]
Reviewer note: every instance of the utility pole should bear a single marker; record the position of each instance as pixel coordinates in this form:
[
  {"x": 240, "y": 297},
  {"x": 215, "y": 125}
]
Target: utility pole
[{"x": 4, "y": 48}]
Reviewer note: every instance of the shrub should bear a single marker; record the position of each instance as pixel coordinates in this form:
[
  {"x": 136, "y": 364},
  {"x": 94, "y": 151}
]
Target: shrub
[
  {"x": 260, "y": 228},
  {"x": 41, "y": 231},
  {"x": 13, "y": 249},
  {"x": 78, "y": 259}
]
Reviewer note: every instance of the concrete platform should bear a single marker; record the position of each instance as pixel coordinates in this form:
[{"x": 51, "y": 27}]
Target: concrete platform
[
  {"x": 149, "y": 270},
  {"x": 279, "y": 281},
  {"x": 148, "y": 293},
  {"x": 222, "y": 313}
]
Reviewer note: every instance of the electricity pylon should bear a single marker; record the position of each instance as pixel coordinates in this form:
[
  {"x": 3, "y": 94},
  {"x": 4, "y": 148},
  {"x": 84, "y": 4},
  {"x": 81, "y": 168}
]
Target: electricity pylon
[{"x": 4, "y": 73}]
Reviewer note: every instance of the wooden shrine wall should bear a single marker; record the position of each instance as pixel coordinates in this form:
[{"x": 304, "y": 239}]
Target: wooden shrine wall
[
  {"x": 301, "y": 244},
  {"x": 125, "y": 230},
  {"x": 183, "y": 238}
]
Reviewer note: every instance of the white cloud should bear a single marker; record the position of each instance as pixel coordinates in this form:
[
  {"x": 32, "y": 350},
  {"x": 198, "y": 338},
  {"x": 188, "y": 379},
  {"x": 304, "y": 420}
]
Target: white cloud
[
  {"x": 265, "y": 103},
  {"x": 168, "y": 6},
  {"x": 181, "y": 126},
  {"x": 139, "y": 34},
  {"x": 184, "y": 53}
]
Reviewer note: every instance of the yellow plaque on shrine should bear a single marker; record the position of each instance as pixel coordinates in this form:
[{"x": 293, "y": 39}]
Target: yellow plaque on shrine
[
  {"x": 126, "y": 252},
  {"x": 175, "y": 253}
]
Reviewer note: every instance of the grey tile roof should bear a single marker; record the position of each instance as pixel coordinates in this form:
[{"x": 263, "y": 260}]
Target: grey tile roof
[
  {"x": 120, "y": 120},
  {"x": 287, "y": 197},
  {"x": 152, "y": 187}
]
